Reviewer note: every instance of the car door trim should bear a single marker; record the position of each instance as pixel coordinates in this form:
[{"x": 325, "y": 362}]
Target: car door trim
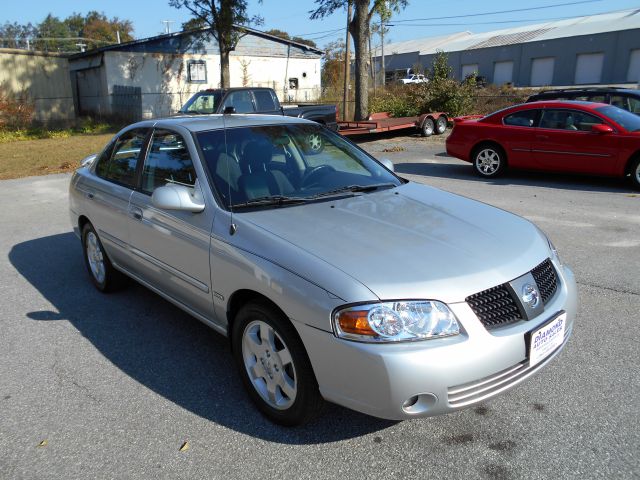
[
  {"x": 168, "y": 268},
  {"x": 573, "y": 153},
  {"x": 115, "y": 240}
]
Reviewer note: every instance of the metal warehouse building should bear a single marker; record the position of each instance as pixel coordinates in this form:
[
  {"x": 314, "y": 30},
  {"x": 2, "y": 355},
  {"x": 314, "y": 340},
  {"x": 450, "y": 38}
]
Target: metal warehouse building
[{"x": 591, "y": 50}]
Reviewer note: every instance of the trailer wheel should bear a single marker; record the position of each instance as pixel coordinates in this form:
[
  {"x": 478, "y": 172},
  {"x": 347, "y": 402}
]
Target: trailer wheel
[
  {"x": 427, "y": 128},
  {"x": 441, "y": 125}
]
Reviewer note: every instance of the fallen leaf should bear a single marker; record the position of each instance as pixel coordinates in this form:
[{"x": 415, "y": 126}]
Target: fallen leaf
[
  {"x": 184, "y": 447},
  {"x": 43, "y": 443}
]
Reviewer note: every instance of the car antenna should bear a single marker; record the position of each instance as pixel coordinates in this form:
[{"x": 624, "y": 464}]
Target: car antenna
[{"x": 232, "y": 227}]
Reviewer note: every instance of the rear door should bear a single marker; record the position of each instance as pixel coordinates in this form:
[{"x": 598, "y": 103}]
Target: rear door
[
  {"x": 109, "y": 193},
  {"x": 266, "y": 103},
  {"x": 517, "y": 136},
  {"x": 170, "y": 247},
  {"x": 565, "y": 142}
]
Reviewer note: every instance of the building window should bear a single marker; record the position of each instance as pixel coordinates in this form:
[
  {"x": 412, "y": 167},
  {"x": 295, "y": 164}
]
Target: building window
[
  {"x": 469, "y": 70},
  {"x": 503, "y": 72},
  {"x": 589, "y": 68},
  {"x": 197, "y": 71},
  {"x": 633, "y": 74},
  {"x": 293, "y": 83},
  {"x": 542, "y": 71}
]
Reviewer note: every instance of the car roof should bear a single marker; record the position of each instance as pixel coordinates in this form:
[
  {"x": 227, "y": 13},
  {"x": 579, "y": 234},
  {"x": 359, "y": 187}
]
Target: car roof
[
  {"x": 199, "y": 123},
  {"x": 577, "y": 91},
  {"x": 564, "y": 103}
]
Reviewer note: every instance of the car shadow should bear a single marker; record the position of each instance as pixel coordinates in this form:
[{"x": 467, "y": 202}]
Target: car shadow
[
  {"x": 162, "y": 347},
  {"x": 464, "y": 171}
]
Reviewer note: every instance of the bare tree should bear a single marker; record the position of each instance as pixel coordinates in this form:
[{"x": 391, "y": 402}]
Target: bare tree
[
  {"x": 225, "y": 19},
  {"x": 359, "y": 27}
]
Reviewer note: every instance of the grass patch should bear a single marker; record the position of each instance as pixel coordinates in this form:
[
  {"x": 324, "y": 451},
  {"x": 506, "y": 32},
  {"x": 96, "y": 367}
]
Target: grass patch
[
  {"x": 55, "y": 154},
  {"x": 38, "y": 133}
]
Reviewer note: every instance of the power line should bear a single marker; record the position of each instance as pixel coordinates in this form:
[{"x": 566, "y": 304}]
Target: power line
[
  {"x": 392, "y": 24},
  {"x": 542, "y": 7}
]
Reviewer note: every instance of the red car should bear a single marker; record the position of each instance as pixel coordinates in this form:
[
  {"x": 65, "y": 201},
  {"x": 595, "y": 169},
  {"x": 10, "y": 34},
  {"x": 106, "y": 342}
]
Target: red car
[{"x": 558, "y": 136}]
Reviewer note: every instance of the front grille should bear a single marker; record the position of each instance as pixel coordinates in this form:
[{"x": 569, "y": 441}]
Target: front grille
[
  {"x": 494, "y": 306},
  {"x": 546, "y": 279}
]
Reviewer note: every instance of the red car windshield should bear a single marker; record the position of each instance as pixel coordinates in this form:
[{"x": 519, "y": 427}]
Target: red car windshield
[{"x": 627, "y": 120}]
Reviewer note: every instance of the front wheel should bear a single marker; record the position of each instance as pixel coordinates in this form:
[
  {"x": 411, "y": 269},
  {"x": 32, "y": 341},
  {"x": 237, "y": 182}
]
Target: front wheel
[
  {"x": 315, "y": 143},
  {"x": 428, "y": 127},
  {"x": 635, "y": 173},
  {"x": 274, "y": 366},
  {"x": 489, "y": 161}
]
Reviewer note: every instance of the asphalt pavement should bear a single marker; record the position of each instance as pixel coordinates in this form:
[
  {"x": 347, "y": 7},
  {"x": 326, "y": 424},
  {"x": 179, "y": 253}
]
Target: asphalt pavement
[{"x": 127, "y": 386}]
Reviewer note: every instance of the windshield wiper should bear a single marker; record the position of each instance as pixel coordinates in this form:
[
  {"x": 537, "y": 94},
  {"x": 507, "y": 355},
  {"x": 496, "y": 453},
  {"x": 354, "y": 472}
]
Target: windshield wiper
[
  {"x": 277, "y": 200},
  {"x": 354, "y": 189}
]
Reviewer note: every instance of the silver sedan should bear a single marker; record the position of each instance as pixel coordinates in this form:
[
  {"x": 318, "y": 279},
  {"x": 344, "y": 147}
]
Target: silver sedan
[{"x": 333, "y": 278}]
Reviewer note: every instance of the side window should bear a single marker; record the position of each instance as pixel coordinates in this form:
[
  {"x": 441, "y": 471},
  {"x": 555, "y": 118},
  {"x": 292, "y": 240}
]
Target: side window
[
  {"x": 168, "y": 161},
  {"x": 121, "y": 167},
  {"x": 204, "y": 104},
  {"x": 526, "y": 118},
  {"x": 264, "y": 101},
  {"x": 620, "y": 102},
  {"x": 568, "y": 120},
  {"x": 102, "y": 163},
  {"x": 241, "y": 100},
  {"x": 634, "y": 105}
]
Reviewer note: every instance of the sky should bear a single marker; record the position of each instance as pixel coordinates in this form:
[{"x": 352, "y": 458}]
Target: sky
[{"x": 420, "y": 19}]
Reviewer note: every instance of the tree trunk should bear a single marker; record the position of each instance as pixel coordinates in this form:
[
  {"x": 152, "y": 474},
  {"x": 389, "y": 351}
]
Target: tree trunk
[
  {"x": 360, "y": 30},
  {"x": 225, "y": 78}
]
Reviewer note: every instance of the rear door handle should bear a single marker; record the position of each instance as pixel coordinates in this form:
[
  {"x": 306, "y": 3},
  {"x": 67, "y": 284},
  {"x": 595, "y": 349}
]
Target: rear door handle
[
  {"x": 542, "y": 137},
  {"x": 136, "y": 213}
]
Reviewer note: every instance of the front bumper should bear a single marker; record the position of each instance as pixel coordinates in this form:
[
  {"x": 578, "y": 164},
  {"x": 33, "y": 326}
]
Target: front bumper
[{"x": 445, "y": 375}]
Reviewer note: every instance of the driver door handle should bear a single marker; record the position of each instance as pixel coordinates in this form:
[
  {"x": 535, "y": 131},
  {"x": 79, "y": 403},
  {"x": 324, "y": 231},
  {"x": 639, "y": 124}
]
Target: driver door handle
[{"x": 135, "y": 213}]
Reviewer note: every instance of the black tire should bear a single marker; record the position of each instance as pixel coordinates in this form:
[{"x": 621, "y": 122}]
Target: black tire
[
  {"x": 106, "y": 279},
  {"x": 268, "y": 362},
  {"x": 634, "y": 170},
  {"x": 489, "y": 160},
  {"x": 428, "y": 127},
  {"x": 441, "y": 125}
]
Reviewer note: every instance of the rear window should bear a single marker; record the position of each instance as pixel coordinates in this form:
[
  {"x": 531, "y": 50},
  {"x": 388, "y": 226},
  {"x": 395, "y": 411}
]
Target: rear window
[{"x": 264, "y": 101}]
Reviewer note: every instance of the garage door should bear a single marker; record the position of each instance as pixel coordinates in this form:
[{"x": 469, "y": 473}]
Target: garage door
[
  {"x": 633, "y": 75},
  {"x": 502, "y": 72},
  {"x": 589, "y": 68},
  {"x": 469, "y": 69},
  {"x": 542, "y": 71}
]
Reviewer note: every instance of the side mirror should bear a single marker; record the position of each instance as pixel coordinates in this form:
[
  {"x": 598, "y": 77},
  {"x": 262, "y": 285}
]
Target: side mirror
[
  {"x": 229, "y": 110},
  {"x": 387, "y": 163},
  {"x": 178, "y": 197},
  {"x": 601, "y": 128}
]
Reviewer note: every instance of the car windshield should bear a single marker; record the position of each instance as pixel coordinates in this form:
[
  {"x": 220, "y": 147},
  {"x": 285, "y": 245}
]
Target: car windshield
[
  {"x": 627, "y": 120},
  {"x": 203, "y": 103},
  {"x": 277, "y": 165}
]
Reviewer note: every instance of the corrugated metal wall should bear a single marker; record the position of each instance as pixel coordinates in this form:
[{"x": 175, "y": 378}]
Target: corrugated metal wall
[{"x": 45, "y": 80}]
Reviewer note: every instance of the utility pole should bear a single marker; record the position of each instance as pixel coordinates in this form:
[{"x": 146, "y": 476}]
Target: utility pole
[
  {"x": 167, "y": 25},
  {"x": 347, "y": 66},
  {"x": 384, "y": 75},
  {"x": 371, "y": 67}
]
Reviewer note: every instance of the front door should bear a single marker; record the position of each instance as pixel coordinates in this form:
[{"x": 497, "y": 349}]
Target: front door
[
  {"x": 564, "y": 142},
  {"x": 170, "y": 247}
]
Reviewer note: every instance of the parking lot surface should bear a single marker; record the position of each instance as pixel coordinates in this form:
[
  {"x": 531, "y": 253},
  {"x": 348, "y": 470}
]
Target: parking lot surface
[{"x": 127, "y": 386}]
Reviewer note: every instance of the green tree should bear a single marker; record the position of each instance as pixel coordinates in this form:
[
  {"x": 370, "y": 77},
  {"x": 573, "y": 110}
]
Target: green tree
[
  {"x": 359, "y": 27},
  {"x": 279, "y": 33},
  {"x": 222, "y": 17},
  {"x": 333, "y": 67}
]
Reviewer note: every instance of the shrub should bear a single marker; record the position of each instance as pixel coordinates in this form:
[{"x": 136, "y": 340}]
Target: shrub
[{"x": 15, "y": 112}]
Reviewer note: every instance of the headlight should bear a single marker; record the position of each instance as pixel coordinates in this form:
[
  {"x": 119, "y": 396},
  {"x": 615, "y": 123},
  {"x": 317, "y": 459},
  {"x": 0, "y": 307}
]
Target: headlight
[
  {"x": 552, "y": 248},
  {"x": 396, "y": 321}
]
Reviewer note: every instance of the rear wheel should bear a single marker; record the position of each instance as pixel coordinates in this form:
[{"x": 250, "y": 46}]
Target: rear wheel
[
  {"x": 441, "y": 125},
  {"x": 489, "y": 161},
  {"x": 635, "y": 173},
  {"x": 315, "y": 143},
  {"x": 428, "y": 127},
  {"x": 274, "y": 366},
  {"x": 103, "y": 275}
]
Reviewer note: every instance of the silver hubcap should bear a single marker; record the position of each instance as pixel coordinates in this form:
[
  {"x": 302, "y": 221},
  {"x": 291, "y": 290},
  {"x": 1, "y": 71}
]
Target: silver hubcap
[
  {"x": 487, "y": 161},
  {"x": 269, "y": 365},
  {"x": 428, "y": 128},
  {"x": 315, "y": 142},
  {"x": 95, "y": 257},
  {"x": 637, "y": 173},
  {"x": 442, "y": 125}
]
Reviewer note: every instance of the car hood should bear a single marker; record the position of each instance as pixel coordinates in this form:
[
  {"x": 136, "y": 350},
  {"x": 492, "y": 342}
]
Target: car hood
[{"x": 410, "y": 242}]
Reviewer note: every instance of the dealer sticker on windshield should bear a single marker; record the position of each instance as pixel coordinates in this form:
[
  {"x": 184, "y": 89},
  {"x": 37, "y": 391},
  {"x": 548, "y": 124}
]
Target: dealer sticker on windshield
[{"x": 546, "y": 339}]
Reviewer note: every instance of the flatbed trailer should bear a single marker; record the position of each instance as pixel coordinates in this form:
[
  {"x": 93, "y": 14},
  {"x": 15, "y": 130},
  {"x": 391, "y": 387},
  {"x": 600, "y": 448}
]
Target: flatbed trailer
[{"x": 427, "y": 124}]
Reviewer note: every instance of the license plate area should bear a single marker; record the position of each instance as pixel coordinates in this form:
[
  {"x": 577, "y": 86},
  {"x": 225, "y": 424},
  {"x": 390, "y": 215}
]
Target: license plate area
[{"x": 545, "y": 339}]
